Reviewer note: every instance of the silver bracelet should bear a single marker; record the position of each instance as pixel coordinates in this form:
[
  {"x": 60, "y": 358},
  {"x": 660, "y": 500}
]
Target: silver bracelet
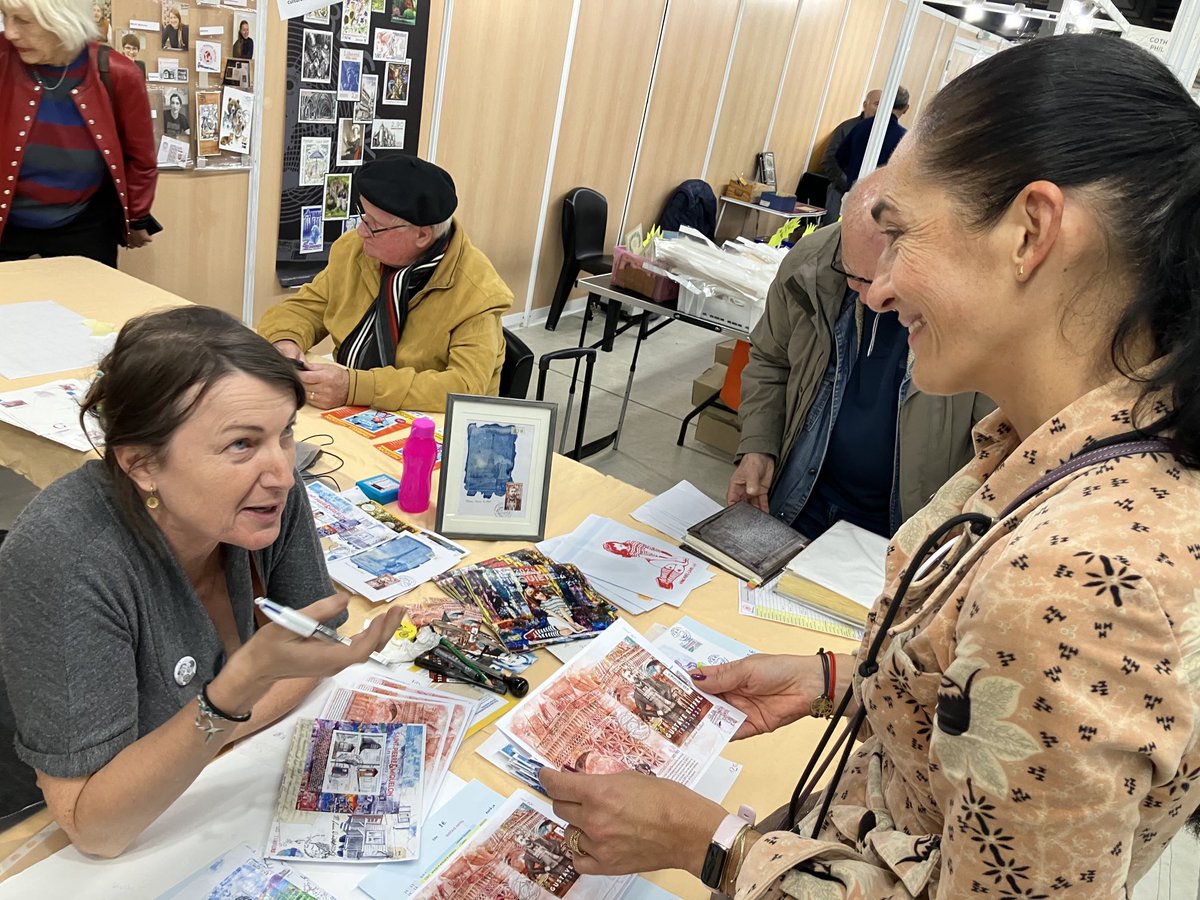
[{"x": 207, "y": 715}]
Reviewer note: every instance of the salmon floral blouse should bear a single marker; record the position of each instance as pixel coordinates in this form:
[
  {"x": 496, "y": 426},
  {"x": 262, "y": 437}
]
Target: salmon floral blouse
[{"x": 1032, "y": 729}]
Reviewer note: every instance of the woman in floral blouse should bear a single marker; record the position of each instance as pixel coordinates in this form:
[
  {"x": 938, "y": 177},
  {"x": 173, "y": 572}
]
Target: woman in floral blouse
[{"x": 1032, "y": 728}]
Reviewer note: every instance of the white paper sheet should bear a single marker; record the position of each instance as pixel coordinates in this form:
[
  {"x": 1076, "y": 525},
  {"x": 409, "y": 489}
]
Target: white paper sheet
[
  {"x": 676, "y": 510},
  {"x": 41, "y": 337},
  {"x": 51, "y": 411},
  {"x": 846, "y": 559}
]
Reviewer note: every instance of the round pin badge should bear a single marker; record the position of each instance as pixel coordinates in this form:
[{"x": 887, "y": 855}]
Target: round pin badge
[{"x": 185, "y": 670}]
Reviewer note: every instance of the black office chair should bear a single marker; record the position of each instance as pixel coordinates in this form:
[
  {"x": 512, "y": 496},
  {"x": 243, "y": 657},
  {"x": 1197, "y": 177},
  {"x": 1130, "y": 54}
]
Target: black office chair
[
  {"x": 584, "y": 222},
  {"x": 811, "y": 189},
  {"x": 517, "y": 369}
]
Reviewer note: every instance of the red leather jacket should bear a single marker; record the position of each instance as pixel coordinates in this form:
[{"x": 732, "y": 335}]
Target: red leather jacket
[{"x": 124, "y": 134}]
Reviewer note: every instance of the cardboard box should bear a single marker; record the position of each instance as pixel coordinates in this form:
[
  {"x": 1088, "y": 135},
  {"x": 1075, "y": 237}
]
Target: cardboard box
[
  {"x": 708, "y": 384},
  {"x": 714, "y": 428},
  {"x": 724, "y": 352}
]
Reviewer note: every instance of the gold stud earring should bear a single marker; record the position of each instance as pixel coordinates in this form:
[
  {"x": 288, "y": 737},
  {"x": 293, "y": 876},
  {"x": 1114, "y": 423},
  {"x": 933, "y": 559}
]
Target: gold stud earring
[
  {"x": 152, "y": 501},
  {"x": 1021, "y": 270}
]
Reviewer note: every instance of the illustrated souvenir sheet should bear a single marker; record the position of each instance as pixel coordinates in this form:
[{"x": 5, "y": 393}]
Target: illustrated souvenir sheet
[
  {"x": 370, "y": 423},
  {"x": 242, "y": 873},
  {"x": 520, "y": 853},
  {"x": 621, "y": 705},
  {"x": 352, "y": 792},
  {"x": 342, "y": 527}
]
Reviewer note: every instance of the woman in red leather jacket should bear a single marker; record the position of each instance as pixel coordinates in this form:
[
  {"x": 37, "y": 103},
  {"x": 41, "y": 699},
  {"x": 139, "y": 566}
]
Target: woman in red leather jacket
[{"x": 77, "y": 160}]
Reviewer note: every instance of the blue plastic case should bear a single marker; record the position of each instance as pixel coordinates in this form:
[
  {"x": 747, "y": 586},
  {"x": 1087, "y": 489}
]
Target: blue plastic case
[{"x": 380, "y": 488}]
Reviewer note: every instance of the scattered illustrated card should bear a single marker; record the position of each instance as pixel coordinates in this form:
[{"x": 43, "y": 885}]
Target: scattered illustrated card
[
  {"x": 387, "y": 134},
  {"x": 351, "y": 792},
  {"x": 390, "y": 45},
  {"x": 370, "y": 423},
  {"x": 443, "y": 831},
  {"x": 622, "y": 705},
  {"x": 337, "y": 197},
  {"x": 52, "y": 411},
  {"x": 343, "y": 528},
  {"x": 318, "y": 108},
  {"x": 350, "y": 64},
  {"x": 312, "y": 229},
  {"x": 395, "y": 449},
  {"x": 316, "y": 56},
  {"x": 237, "y": 117},
  {"x": 208, "y": 120},
  {"x": 396, "y": 78},
  {"x": 368, "y": 91},
  {"x": 529, "y": 600},
  {"x": 690, "y": 644},
  {"x": 242, "y": 873},
  {"x": 520, "y": 852},
  {"x": 208, "y": 56}
]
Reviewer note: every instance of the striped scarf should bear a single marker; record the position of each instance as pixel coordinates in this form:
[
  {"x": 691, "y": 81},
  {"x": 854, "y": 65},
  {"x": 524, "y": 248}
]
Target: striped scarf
[{"x": 372, "y": 343}]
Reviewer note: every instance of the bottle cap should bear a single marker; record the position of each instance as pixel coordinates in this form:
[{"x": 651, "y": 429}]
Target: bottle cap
[{"x": 423, "y": 427}]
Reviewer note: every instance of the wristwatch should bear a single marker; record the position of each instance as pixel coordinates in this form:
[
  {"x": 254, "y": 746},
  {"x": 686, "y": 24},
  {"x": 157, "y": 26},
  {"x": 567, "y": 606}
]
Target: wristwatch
[{"x": 713, "y": 872}]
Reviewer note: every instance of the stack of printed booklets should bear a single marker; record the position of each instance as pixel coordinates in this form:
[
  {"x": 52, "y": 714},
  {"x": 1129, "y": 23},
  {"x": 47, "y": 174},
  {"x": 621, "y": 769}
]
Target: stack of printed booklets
[
  {"x": 360, "y": 779},
  {"x": 370, "y": 551},
  {"x": 529, "y": 600},
  {"x": 629, "y": 567}
]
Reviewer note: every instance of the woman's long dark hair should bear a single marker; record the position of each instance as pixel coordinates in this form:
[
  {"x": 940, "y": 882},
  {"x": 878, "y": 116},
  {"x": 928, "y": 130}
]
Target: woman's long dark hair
[{"x": 1095, "y": 112}]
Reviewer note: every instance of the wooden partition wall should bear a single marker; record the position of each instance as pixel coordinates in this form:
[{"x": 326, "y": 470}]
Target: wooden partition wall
[{"x": 629, "y": 97}]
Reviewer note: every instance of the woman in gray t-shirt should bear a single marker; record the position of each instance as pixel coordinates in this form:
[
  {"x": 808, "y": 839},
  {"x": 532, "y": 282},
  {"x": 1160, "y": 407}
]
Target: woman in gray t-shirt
[{"x": 129, "y": 652}]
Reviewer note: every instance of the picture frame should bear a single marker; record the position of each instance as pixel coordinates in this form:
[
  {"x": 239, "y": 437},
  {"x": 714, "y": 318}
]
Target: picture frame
[
  {"x": 766, "y": 168},
  {"x": 495, "y": 476}
]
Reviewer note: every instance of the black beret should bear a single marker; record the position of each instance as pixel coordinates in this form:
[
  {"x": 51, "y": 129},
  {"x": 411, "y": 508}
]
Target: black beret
[{"x": 413, "y": 189}]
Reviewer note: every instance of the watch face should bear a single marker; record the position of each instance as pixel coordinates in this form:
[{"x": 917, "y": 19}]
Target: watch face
[{"x": 714, "y": 866}]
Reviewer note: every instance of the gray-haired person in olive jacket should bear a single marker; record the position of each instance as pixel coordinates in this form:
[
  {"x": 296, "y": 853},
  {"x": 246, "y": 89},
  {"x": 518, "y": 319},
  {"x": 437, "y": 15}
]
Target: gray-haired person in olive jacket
[{"x": 832, "y": 426}]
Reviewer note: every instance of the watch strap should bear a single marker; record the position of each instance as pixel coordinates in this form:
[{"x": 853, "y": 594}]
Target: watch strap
[{"x": 713, "y": 871}]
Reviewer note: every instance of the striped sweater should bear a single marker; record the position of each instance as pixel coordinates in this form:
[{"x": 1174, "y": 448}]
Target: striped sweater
[{"x": 62, "y": 169}]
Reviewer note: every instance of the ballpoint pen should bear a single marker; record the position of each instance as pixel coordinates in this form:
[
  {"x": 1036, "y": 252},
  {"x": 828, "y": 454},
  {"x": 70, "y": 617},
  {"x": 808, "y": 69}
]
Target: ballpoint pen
[
  {"x": 519, "y": 686},
  {"x": 305, "y": 626}
]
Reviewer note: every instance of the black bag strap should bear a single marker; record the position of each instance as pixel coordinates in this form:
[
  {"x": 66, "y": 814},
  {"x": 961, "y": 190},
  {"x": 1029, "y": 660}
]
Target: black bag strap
[{"x": 102, "y": 53}]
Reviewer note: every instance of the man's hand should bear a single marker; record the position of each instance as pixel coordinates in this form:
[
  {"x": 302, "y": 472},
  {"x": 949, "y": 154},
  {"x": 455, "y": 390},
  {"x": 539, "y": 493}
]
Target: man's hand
[
  {"x": 290, "y": 349},
  {"x": 327, "y": 387},
  {"x": 752, "y": 480},
  {"x": 139, "y": 238}
]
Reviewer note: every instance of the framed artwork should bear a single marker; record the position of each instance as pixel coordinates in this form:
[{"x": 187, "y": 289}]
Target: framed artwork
[{"x": 495, "y": 480}]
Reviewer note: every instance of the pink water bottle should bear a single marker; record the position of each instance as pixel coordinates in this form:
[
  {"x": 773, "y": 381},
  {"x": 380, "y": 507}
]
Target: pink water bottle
[{"x": 420, "y": 454}]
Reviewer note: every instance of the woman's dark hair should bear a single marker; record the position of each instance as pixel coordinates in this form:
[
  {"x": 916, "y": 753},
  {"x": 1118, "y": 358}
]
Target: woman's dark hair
[
  {"x": 161, "y": 367},
  {"x": 1090, "y": 111}
]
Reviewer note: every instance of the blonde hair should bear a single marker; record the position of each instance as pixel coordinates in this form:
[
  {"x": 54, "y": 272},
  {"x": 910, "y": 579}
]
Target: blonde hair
[{"x": 68, "y": 20}]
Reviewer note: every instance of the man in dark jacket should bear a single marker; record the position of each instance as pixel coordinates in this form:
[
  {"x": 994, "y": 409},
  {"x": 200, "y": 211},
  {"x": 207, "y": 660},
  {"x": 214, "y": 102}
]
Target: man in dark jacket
[
  {"x": 853, "y": 149},
  {"x": 838, "y": 184}
]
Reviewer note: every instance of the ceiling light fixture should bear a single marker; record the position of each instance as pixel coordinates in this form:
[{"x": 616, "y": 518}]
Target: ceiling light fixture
[{"x": 974, "y": 12}]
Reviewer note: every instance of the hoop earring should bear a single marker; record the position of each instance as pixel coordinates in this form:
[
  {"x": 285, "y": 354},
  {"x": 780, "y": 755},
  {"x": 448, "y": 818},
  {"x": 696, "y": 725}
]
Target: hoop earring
[{"x": 152, "y": 501}]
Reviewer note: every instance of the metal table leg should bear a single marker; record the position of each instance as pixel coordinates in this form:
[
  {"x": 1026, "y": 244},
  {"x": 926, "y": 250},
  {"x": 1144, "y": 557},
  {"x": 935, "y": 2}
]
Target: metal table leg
[{"x": 643, "y": 323}]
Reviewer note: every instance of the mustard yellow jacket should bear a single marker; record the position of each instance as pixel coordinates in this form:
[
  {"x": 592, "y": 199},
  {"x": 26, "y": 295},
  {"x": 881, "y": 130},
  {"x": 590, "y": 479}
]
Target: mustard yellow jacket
[{"x": 452, "y": 342}]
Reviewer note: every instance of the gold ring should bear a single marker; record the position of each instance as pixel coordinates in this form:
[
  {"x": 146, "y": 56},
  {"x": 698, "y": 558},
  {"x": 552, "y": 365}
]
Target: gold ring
[{"x": 573, "y": 842}]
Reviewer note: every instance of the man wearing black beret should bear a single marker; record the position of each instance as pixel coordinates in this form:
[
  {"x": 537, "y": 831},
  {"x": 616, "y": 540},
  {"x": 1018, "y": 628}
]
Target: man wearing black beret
[{"x": 412, "y": 305}]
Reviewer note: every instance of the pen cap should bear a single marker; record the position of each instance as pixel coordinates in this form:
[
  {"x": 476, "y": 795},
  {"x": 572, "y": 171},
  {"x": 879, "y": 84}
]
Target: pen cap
[{"x": 423, "y": 428}]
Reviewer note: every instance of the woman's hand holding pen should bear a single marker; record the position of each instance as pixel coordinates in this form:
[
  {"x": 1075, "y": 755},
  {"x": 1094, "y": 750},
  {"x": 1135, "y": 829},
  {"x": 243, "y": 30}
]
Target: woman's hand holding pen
[
  {"x": 771, "y": 690},
  {"x": 274, "y": 653}
]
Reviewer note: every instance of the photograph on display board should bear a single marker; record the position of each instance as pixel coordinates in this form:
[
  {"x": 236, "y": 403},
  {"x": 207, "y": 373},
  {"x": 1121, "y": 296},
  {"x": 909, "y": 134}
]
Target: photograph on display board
[
  {"x": 208, "y": 121},
  {"x": 318, "y": 107},
  {"x": 356, "y": 21},
  {"x": 387, "y": 134},
  {"x": 174, "y": 32},
  {"x": 102, "y": 13},
  {"x": 337, "y": 196},
  {"x": 368, "y": 91},
  {"x": 350, "y": 142},
  {"x": 133, "y": 45},
  {"x": 404, "y": 12},
  {"x": 208, "y": 56},
  {"x": 316, "y": 57},
  {"x": 237, "y": 74},
  {"x": 396, "y": 78},
  {"x": 390, "y": 45},
  {"x": 243, "y": 35},
  {"x": 314, "y": 161},
  {"x": 349, "y": 74},
  {"x": 312, "y": 229},
  {"x": 378, "y": 6},
  {"x": 175, "y": 73},
  {"x": 237, "y": 112},
  {"x": 175, "y": 112},
  {"x": 172, "y": 153},
  {"x": 317, "y": 16}
]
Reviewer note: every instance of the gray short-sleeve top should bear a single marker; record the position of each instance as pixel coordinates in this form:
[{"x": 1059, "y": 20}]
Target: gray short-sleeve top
[{"x": 97, "y": 624}]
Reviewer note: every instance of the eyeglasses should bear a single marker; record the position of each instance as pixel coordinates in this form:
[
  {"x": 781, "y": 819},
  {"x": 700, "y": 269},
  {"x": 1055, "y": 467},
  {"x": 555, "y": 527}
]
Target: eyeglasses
[
  {"x": 362, "y": 218},
  {"x": 836, "y": 265}
]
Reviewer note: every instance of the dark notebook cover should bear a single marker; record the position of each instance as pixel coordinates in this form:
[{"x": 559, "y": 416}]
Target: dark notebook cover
[{"x": 759, "y": 544}]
